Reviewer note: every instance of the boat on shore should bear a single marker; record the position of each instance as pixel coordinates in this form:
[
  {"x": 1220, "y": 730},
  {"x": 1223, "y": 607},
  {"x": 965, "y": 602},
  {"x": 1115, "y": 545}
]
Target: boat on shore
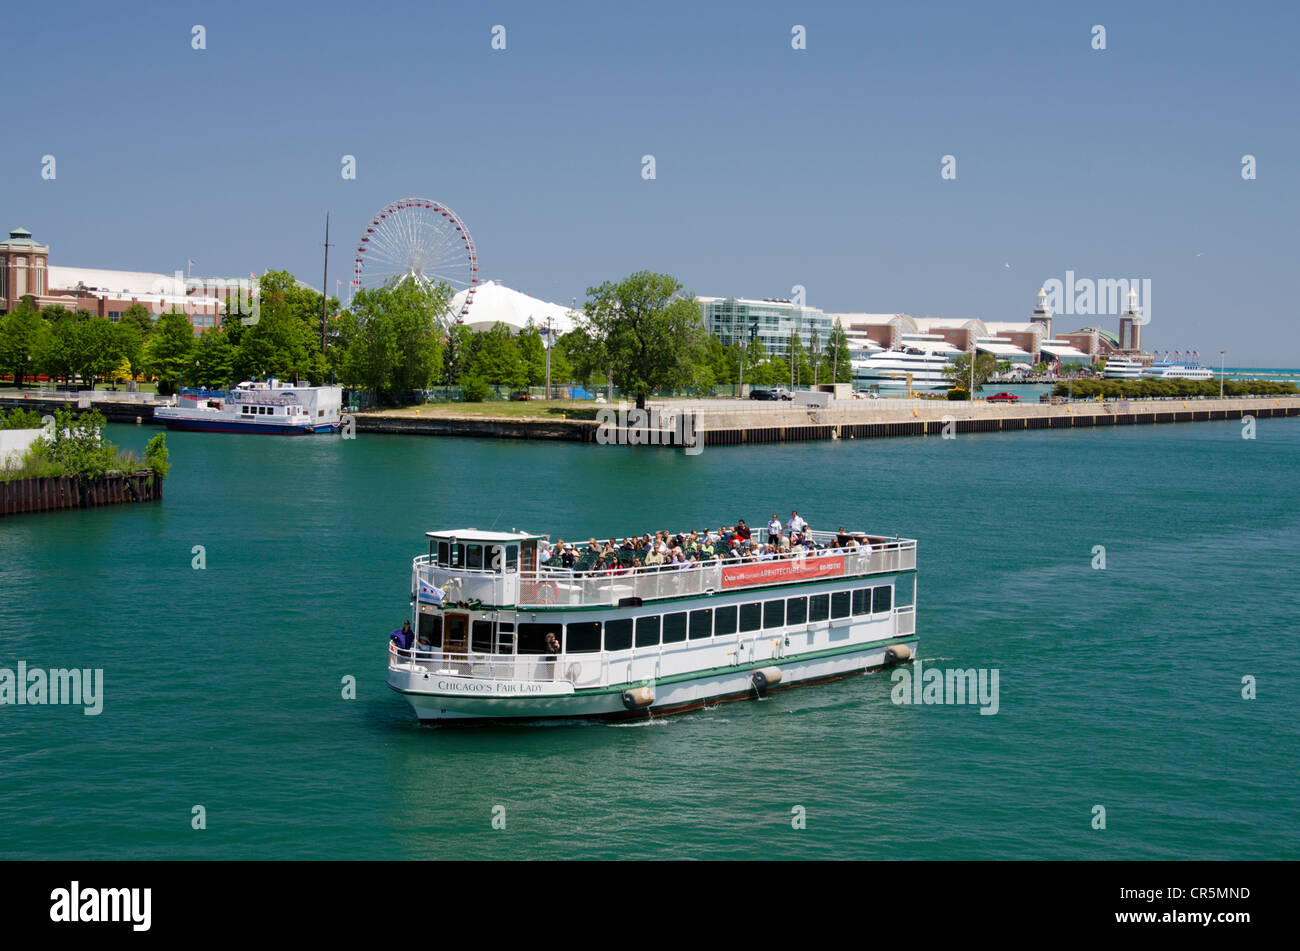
[
  {"x": 272, "y": 407},
  {"x": 500, "y": 634}
]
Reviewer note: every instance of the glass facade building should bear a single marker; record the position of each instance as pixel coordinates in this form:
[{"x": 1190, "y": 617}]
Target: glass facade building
[{"x": 732, "y": 319}]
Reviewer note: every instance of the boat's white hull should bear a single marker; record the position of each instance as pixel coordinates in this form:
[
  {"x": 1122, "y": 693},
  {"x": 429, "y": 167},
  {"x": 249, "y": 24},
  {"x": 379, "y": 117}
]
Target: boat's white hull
[{"x": 439, "y": 698}]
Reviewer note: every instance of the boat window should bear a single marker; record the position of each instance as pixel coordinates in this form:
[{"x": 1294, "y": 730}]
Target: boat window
[
  {"x": 474, "y": 556},
  {"x": 674, "y": 627},
  {"x": 457, "y": 555},
  {"x": 532, "y": 637},
  {"x": 796, "y": 611},
  {"x": 751, "y": 616},
  {"x": 505, "y": 638},
  {"x": 701, "y": 623},
  {"x": 903, "y": 597},
  {"x": 880, "y": 602},
  {"x": 496, "y": 558},
  {"x": 724, "y": 621},
  {"x": 430, "y": 630},
  {"x": 584, "y": 637},
  {"x": 819, "y": 607},
  {"x": 443, "y": 550},
  {"x": 862, "y": 601},
  {"x": 647, "y": 631},
  {"x": 481, "y": 637},
  {"x": 841, "y": 603},
  {"x": 512, "y": 557},
  {"x": 618, "y": 634},
  {"x": 774, "y": 613}
]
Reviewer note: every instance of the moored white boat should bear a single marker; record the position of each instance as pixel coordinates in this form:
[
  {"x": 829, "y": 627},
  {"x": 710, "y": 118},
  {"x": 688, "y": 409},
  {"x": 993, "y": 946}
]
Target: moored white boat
[
  {"x": 500, "y": 636},
  {"x": 273, "y": 407}
]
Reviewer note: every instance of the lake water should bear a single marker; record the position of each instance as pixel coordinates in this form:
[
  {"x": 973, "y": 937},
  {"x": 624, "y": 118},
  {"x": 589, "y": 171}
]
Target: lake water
[{"x": 1119, "y": 687}]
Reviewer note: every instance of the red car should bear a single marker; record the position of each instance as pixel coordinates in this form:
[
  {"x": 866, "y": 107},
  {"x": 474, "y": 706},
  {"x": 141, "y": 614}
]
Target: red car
[{"x": 1004, "y": 397}]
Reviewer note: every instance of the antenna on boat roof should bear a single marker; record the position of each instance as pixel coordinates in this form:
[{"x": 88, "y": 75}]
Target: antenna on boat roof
[{"x": 495, "y": 520}]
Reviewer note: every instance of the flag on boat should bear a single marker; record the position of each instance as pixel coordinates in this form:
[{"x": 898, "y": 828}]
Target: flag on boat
[{"x": 430, "y": 594}]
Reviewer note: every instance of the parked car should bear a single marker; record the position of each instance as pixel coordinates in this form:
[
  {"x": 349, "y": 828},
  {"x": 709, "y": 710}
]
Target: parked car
[
  {"x": 1004, "y": 397},
  {"x": 762, "y": 395},
  {"x": 781, "y": 393}
]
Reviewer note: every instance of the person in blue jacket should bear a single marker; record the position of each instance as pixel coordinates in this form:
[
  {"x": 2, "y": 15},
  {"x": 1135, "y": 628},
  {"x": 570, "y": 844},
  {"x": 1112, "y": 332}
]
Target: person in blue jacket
[{"x": 403, "y": 637}]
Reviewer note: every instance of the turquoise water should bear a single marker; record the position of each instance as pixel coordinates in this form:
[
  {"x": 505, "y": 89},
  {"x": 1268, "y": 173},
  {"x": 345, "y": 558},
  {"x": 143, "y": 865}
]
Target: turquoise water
[{"x": 1118, "y": 687}]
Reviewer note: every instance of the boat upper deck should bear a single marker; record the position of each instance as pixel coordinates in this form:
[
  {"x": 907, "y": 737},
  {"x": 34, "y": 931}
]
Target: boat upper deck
[{"x": 525, "y": 572}]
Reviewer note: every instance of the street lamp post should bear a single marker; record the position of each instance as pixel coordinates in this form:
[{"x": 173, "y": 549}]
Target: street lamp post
[
  {"x": 548, "y": 357},
  {"x": 1222, "y": 354}
]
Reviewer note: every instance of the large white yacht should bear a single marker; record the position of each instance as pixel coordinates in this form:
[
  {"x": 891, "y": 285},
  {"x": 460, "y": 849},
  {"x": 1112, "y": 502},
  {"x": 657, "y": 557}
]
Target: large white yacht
[
  {"x": 273, "y": 407},
  {"x": 923, "y": 356}
]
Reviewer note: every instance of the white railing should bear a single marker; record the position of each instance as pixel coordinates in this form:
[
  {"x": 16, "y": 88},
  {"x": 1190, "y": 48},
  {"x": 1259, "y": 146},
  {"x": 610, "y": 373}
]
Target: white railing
[
  {"x": 464, "y": 584},
  {"x": 550, "y": 587},
  {"x": 581, "y": 670}
]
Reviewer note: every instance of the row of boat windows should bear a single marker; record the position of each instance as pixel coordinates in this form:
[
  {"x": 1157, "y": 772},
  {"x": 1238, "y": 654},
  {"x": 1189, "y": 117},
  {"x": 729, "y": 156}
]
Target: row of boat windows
[
  {"x": 492, "y": 557},
  {"x": 247, "y": 410},
  {"x": 619, "y": 634}
]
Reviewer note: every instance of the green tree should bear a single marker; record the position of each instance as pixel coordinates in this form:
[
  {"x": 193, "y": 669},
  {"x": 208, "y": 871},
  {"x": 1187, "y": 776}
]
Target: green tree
[
  {"x": 215, "y": 357},
  {"x": 19, "y": 339},
  {"x": 837, "y": 364},
  {"x": 137, "y": 316},
  {"x": 391, "y": 338},
  {"x": 93, "y": 348},
  {"x": 496, "y": 359},
  {"x": 958, "y": 370},
  {"x": 650, "y": 337},
  {"x": 532, "y": 355},
  {"x": 169, "y": 352},
  {"x": 129, "y": 345}
]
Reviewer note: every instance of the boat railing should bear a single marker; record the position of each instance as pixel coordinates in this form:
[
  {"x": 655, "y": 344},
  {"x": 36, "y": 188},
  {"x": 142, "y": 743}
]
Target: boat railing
[
  {"x": 581, "y": 670},
  {"x": 462, "y": 584},
  {"x": 559, "y": 587}
]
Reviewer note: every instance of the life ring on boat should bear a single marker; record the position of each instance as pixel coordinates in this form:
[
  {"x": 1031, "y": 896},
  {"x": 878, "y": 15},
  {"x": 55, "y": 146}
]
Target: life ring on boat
[{"x": 547, "y": 592}]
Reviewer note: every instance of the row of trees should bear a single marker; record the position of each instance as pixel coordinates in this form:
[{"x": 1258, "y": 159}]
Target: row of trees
[{"x": 641, "y": 332}]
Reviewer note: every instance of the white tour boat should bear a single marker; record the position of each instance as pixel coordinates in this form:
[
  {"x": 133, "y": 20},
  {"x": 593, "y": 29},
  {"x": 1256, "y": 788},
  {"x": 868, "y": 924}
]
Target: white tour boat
[
  {"x": 1177, "y": 371},
  {"x": 498, "y": 635},
  {"x": 274, "y": 407}
]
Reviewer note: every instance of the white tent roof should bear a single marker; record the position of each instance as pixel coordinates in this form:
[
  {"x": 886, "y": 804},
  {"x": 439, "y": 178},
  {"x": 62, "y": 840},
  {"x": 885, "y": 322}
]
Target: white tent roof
[
  {"x": 1063, "y": 351},
  {"x": 1010, "y": 351},
  {"x": 494, "y": 303}
]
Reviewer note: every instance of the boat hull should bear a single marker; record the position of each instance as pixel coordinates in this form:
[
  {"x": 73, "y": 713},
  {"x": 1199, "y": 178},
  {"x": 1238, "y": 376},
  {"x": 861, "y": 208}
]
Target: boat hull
[
  {"x": 455, "y": 700},
  {"x": 233, "y": 426}
]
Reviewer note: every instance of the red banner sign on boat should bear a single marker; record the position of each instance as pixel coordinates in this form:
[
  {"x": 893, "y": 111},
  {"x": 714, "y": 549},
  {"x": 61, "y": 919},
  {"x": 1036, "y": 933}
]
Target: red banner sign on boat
[{"x": 777, "y": 572}]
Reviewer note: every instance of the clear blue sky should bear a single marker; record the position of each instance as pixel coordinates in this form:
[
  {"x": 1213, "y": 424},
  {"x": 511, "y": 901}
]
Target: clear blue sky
[{"x": 775, "y": 167}]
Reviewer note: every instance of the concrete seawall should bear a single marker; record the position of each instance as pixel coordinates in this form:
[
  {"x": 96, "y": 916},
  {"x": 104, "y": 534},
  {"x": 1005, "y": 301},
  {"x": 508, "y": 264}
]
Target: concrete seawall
[
  {"x": 732, "y": 422},
  {"x": 724, "y": 425}
]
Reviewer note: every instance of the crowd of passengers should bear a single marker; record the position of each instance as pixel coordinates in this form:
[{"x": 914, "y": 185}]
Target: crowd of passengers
[{"x": 616, "y": 556}]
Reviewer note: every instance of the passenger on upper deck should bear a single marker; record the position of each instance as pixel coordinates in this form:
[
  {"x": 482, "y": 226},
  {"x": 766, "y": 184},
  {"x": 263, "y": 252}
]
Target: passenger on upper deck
[{"x": 742, "y": 530}]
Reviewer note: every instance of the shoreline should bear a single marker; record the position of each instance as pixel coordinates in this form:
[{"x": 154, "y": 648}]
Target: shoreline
[{"x": 734, "y": 422}]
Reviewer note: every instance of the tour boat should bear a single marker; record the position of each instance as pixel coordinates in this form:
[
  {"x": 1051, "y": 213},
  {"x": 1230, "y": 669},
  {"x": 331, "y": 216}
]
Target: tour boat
[
  {"x": 501, "y": 635},
  {"x": 1178, "y": 371},
  {"x": 274, "y": 407}
]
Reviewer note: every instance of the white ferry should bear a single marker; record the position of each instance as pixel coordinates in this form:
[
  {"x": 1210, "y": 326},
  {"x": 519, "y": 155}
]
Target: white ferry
[
  {"x": 1121, "y": 368},
  {"x": 274, "y": 407},
  {"x": 924, "y": 356},
  {"x": 1177, "y": 371},
  {"x": 500, "y": 636}
]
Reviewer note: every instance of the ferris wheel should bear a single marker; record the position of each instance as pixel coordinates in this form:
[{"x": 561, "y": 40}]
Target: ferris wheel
[{"x": 421, "y": 240}]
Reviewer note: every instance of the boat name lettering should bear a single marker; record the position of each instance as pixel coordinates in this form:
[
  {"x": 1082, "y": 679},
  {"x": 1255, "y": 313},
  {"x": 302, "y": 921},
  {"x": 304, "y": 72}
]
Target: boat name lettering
[{"x": 489, "y": 686}]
